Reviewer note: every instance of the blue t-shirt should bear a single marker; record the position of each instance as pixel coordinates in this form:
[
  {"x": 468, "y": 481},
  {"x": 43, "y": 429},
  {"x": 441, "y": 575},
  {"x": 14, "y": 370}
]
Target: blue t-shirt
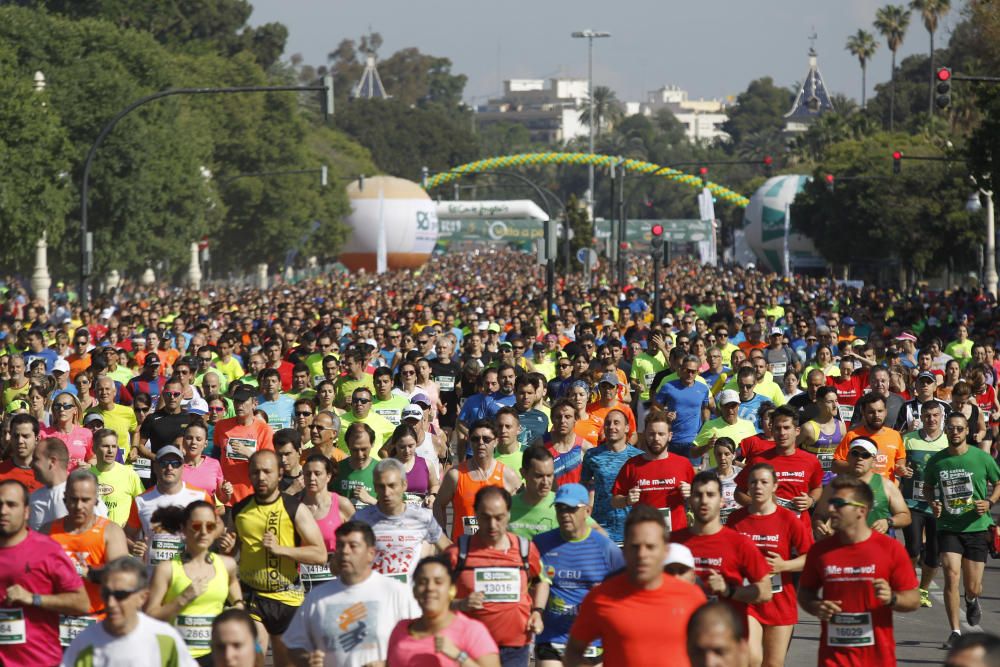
[
  {"x": 477, "y": 407},
  {"x": 502, "y": 400},
  {"x": 279, "y": 411},
  {"x": 750, "y": 410},
  {"x": 47, "y": 354},
  {"x": 572, "y": 569},
  {"x": 687, "y": 402},
  {"x": 600, "y": 469},
  {"x": 534, "y": 425}
]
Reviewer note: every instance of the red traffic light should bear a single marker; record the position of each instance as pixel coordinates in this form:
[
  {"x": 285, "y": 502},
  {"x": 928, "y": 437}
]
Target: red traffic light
[
  {"x": 897, "y": 155},
  {"x": 703, "y": 171},
  {"x": 657, "y": 230},
  {"x": 768, "y": 160},
  {"x": 623, "y": 245},
  {"x": 829, "y": 178},
  {"x": 943, "y": 73}
]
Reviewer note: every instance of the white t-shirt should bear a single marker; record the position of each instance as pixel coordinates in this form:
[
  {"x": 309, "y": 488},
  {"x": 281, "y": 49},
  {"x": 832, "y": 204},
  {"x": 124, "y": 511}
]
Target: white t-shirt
[
  {"x": 49, "y": 504},
  {"x": 351, "y": 624},
  {"x": 151, "y": 643},
  {"x": 399, "y": 539},
  {"x": 162, "y": 546}
]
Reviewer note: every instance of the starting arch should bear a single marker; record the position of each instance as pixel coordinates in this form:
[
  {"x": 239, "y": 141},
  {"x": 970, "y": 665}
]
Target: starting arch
[{"x": 721, "y": 192}]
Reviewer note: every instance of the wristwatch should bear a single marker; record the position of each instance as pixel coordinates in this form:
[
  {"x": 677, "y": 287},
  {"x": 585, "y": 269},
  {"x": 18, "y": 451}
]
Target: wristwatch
[
  {"x": 893, "y": 600},
  {"x": 36, "y": 600},
  {"x": 462, "y": 657}
]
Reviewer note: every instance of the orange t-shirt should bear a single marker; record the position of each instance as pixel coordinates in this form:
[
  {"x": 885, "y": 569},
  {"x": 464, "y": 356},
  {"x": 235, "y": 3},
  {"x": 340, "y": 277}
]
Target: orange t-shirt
[
  {"x": 77, "y": 364},
  {"x": 890, "y": 449},
  {"x": 590, "y": 429},
  {"x": 465, "y": 496},
  {"x": 639, "y": 628},
  {"x": 236, "y": 469},
  {"x": 85, "y": 549},
  {"x": 601, "y": 413},
  {"x": 24, "y": 475}
]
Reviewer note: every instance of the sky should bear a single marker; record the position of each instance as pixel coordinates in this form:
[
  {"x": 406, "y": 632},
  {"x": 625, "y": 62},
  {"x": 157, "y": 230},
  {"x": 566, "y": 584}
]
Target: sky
[{"x": 711, "y": 48}]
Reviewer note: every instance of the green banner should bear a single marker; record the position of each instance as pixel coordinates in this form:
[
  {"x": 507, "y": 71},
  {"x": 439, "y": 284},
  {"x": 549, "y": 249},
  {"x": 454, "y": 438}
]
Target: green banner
[
  {"x": 498, "y": 231},
  {"x": 674, "y": 231}
]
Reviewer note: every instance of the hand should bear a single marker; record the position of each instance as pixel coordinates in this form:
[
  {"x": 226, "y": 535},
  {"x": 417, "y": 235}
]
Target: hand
[
  {"x": 198, "y": 586},
  {"x": 982, "y": 507},
  {"x": 446, "y": 647},
  {"x": 535, "y": 625},
  {"x": 802, "y": 502},
  {"x": 716, "y": 584},
  {"x": 881, "y": 526},
  {"x": 429, "y": 500},
  {"x": 685, "y": 490},
  {"x": 137, "y": 548},
  {"x": 823, "y": 529},
  {"x": 633, "y": 495},
  {"x": 227, "y": 488},
  {"x": 904, "y": 470},
  {"x": 776, "y": 562},
  {"x": 827, "y": 608},
  {"x": 883, "y": 591},
  {"x": 270, "y": 542},
  {"x": 474, "y": 601},
  {"x": 18, "y": 595},
  {"x": 671, "y": 416},
  {"x": 227, "y": 542},
  {"x": 937, "y": 507},
  {"x": 316, "y": 658}
]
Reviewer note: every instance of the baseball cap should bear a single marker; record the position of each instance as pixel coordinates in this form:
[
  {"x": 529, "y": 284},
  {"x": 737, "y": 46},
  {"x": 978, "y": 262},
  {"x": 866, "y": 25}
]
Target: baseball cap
[
  {"x": 494, "y": 327},
  {"x": 609, "y": 378},
  {"x": 668, "y": 320},
  {"x": 17, "y": 404},
  {"x": 61, "y": 366},
  {"x": 776, "y": 331},
  {"x": 680, "y": 555},
  {"x": 484, "y": 325},
  {"x": 152, "y": 360},
  {"x": 242, "y": 394},
  {"x": 865, "y": 444},
  {"x": 93, "y": 417},
  {"x": 412, "y": 411},
  {"x": 507, "y": 344},
  {"x": 728, "y": 396},
  {"x": 421, "y": 398},
  {"x": 169, "y": 450},
  {"x": 575, "y": 495},
  {"x": 926, "y": 375},
  {"x": 849, "y": 321},
  {"x": 906, "y": 335}
]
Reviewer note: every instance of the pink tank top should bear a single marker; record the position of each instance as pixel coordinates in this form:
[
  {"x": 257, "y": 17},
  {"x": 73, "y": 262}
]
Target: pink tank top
[{"x": 329, "y": 523}]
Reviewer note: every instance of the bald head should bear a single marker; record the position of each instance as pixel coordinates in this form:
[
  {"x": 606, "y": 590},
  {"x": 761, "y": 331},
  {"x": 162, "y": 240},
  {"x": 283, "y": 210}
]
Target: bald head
[{"x": 715, "y": 637}]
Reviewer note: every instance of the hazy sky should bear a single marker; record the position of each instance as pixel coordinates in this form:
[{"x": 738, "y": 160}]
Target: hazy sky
[{"x": 712, "y": 48}]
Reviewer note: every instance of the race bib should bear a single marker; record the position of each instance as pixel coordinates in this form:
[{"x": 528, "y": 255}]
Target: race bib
[
  {"x": 446, "y": 382},
  {"x": 779, "y": 368},
  {"x": 853, "y": 630},
  {"x": 665, "y": 512},
  {"x": 825, "y": 460},
  {"x": 164, "y": 547},
  {"x": 648, "y": 379},
  {"x": 724, "y": 514},
  {"x": 244, "y": 442},
  {"x": 195, "y": 630},
  {"x": 589, "y": 652},
  {"x": 776, "y": 583},
  {"x": 957, "y": 491},
  {"x": 71, "y": 626},
  {"x": 403, "y": 578},
  {"x": 312, "y": 575},
  {"x": 470, "y": 524},
  {"x": 392, "y": 416},
  {"x": 143, "y": 467},
  {"x": 787, "y": 504},
  {"x": 498, "y": 584},
  {"x": 845, "y": 412},
  {"x": 414, "y": 499},
  {"x": 12, "y": 629},
  {"x": 918, "y": 489}
]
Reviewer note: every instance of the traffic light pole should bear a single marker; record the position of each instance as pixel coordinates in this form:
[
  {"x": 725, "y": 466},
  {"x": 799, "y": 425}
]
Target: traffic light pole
[{"x": 657, "y": 261}]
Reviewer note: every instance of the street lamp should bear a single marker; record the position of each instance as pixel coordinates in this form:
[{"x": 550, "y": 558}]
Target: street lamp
[
  {"x": 990, "y": 278},
  {"x": 590, "y": 36}
]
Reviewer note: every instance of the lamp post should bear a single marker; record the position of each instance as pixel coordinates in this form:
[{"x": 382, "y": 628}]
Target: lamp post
[
  {"x": 590, "y": 36},
  {"x": 40, "y": 278},
  {"x": 990, "y": 278}
]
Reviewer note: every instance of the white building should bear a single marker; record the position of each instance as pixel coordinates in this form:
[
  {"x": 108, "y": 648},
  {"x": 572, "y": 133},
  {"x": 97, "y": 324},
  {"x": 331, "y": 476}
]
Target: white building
[
  {"x": 702, "y": 119},
  {"x": 549, "y": 109}
]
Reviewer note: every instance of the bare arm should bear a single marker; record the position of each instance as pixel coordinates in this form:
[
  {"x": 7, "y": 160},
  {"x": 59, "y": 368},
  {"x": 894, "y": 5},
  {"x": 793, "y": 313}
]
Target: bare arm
[
  {"x": 312, "y": 549},
  {"x": 346, "y": 508},
  {"x": 155, "y": 606},
  {"x": 444, "y": 497},
  {"x": 573, "y": 657},
  {"x": 757, "y": 591}
]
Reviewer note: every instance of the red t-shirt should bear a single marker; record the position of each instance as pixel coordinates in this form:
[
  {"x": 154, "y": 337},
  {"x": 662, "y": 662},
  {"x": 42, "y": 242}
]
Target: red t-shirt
[
  {"x": 507, "y": 621},
  {"x": 845, "y": 572},
  {"x": 985, "y": 401},
  {"x": 38, "y": 564},
  {"x": 755, "y": 445},
  {"x": 729, "y": 553},
  {"x": 849, "y": 389},
  {"x": 237, "y": 470},
  {"x": 660, "y": 483},
  {"x": 638, "y": 627},
  {"x": 799, "y": 472},
  {"x": 24, "y": 475},
  {"x": 782, "y": 533}
]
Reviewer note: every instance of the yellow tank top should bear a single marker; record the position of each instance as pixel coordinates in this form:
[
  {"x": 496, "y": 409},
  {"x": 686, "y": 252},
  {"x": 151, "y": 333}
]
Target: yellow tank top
[
  {"x": 270, "y": 576},
  {"x": 194, "y": 622}
]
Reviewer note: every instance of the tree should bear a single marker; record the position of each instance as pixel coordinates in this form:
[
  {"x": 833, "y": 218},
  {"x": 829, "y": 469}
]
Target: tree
[
  {"x": 606, "y": 109},
  {"x": 862, "y": 46},
  {"x": 892, "y": 21},
  {"x": 931, "y": 12},
  {"x": 760, "y": 108}
]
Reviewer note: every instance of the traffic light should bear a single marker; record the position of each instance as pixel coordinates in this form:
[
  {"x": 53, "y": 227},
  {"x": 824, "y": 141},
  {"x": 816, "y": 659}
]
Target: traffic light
[
  {"x": 657, "y": 237},
  {"x": 703, "y": 172},
  {"x": 768, "y": 164},
  {"x": 829, "y": 181},
  {"x": 897, "y": 162},
  {"x": 943, "y": 99}
]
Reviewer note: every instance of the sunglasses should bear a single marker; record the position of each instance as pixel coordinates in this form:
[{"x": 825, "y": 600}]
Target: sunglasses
[
  {"x": 203, "y": 526},
  {"x": 303, "y": 414},
  {"x": 120, "y": 595},
  {"x": 408, "y": 373},
  {"x": 171, "y": 394},
  {"x": 481, "y": 438},
  {"x": 362, "y": 401},
  {"x": 63, "y": 406},
  {"x": 565, "y": 366},
  {"x": 218, "y": 409},
  {"x": 861, "y": 454},
  {"x": 841, "y": 503},
  {"x": 171, "y": 463},
  {"x": 562, "y": 508}
]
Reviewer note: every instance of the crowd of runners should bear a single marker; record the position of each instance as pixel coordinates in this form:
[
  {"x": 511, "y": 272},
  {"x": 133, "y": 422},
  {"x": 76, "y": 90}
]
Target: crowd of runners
[{"x": 438, "y": 467}]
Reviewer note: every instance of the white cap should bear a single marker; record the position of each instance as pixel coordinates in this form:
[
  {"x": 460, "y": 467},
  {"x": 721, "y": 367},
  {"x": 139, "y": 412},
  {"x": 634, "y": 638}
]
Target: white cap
[
  {"x": 728, "y": 396},
  {"x": 483, "y": 325},
  {"x": 776, "y": 331},
  {"x": 680, "y": 555},
  {"x": 61, "y": 365},
  {"x": 865, "y": 444}
]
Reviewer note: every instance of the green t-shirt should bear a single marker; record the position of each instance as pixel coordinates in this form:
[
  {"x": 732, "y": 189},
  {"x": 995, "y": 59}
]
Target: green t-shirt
[
  {"x": 961, "y": 351},
  {"x": 743, "y": 428},
  {"x": 960, "y": 480},
  {"x": 391, "y": 409},
  {"x": 346, "y": 385},
  {"x": 120, "y": 419},
  {"x": 530, "y": 520},
  {"x": 644, "y": 369},
  {"x": 348, "y": 478},
  {"x": 918, "y": 451},
  {"x": 117, "y": 487},
  {"x": 512, "y": 461},
  {"x": 383, "y": 429}
]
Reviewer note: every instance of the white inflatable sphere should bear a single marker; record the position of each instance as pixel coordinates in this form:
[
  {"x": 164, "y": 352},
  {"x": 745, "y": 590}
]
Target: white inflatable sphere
[
  {"x": 411, "y": 223},
  {"x": 764, "y": 225}
]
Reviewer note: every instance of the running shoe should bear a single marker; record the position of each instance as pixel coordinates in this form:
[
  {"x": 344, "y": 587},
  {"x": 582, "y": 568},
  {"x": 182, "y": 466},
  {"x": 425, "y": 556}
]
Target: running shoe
[
  {"x": 925, "y": 598},
  {"x": 973, "y": 611},
  {"x": 952, "y": 638}
]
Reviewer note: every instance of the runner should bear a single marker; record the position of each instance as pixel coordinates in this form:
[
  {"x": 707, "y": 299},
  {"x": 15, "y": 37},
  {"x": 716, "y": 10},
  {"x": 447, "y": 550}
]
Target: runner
[
  {"x": 354, "y": 474},
  {"x": 864, "y": 576},
  {"x": 461, "y": 483},
  {"x": 236, "y": 439},
  {"x": 657, "y": 477},
  {"x": 533, "y": 422},
  {"x": 715, "y": 638},
  {"x": 563, "y": 442},
  {"x": 891, "y": 454},
  {"x": 51, "y": 464},
  {"x": 192, "y": 588},
  {"x": 117, "y": 484},
  {"x": 23, "y": 430},
  {"x": 127, "y": 636},
  {"x": 601, "y": 466},
  {"x": 727, "y": 425},
  {"x": 729, "y": 564},
  {"x": 275, "y": 534},
  {"x": 687, "y": 403},
  {"x": 639, "y": 615},
  {"x": 921, "y": 535},
  {"x": 783, "y": 541},
  {"x": 727, "y": 470},
  {"x": 90, "y": 542},
  {"x": 955, "y": 484},
  {"x": 328, "y": 508},
  {"x": 911, "y": 416},
  {"x": 234, "y": 639},
  {"x": 574, "y": 559},
  {"x": 404, "y": 533},
  {"x": 508, "y": 450},
  {"x": 494, "y": 569},
  {"x": 820, "y": 436}
]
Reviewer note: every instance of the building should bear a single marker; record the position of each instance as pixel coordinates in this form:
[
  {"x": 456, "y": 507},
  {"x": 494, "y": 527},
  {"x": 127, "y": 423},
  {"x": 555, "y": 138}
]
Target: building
[
  {"x": 812, "y": 101},
  {"x": 549, "y": 109},
  {"x": 702, "y": 119}
]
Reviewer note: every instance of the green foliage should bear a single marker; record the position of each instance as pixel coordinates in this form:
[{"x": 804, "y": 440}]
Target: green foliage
[{"x": 759, "y": 110}]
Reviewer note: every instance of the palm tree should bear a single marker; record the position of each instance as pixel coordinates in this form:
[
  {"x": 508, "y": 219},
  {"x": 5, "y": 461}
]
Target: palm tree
[
  {"x": 862, "y": 45},
  {"x": 892, "y": 21},
  {"x": 607, "y": 109},
  {"x": 931, "y": 12}
]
